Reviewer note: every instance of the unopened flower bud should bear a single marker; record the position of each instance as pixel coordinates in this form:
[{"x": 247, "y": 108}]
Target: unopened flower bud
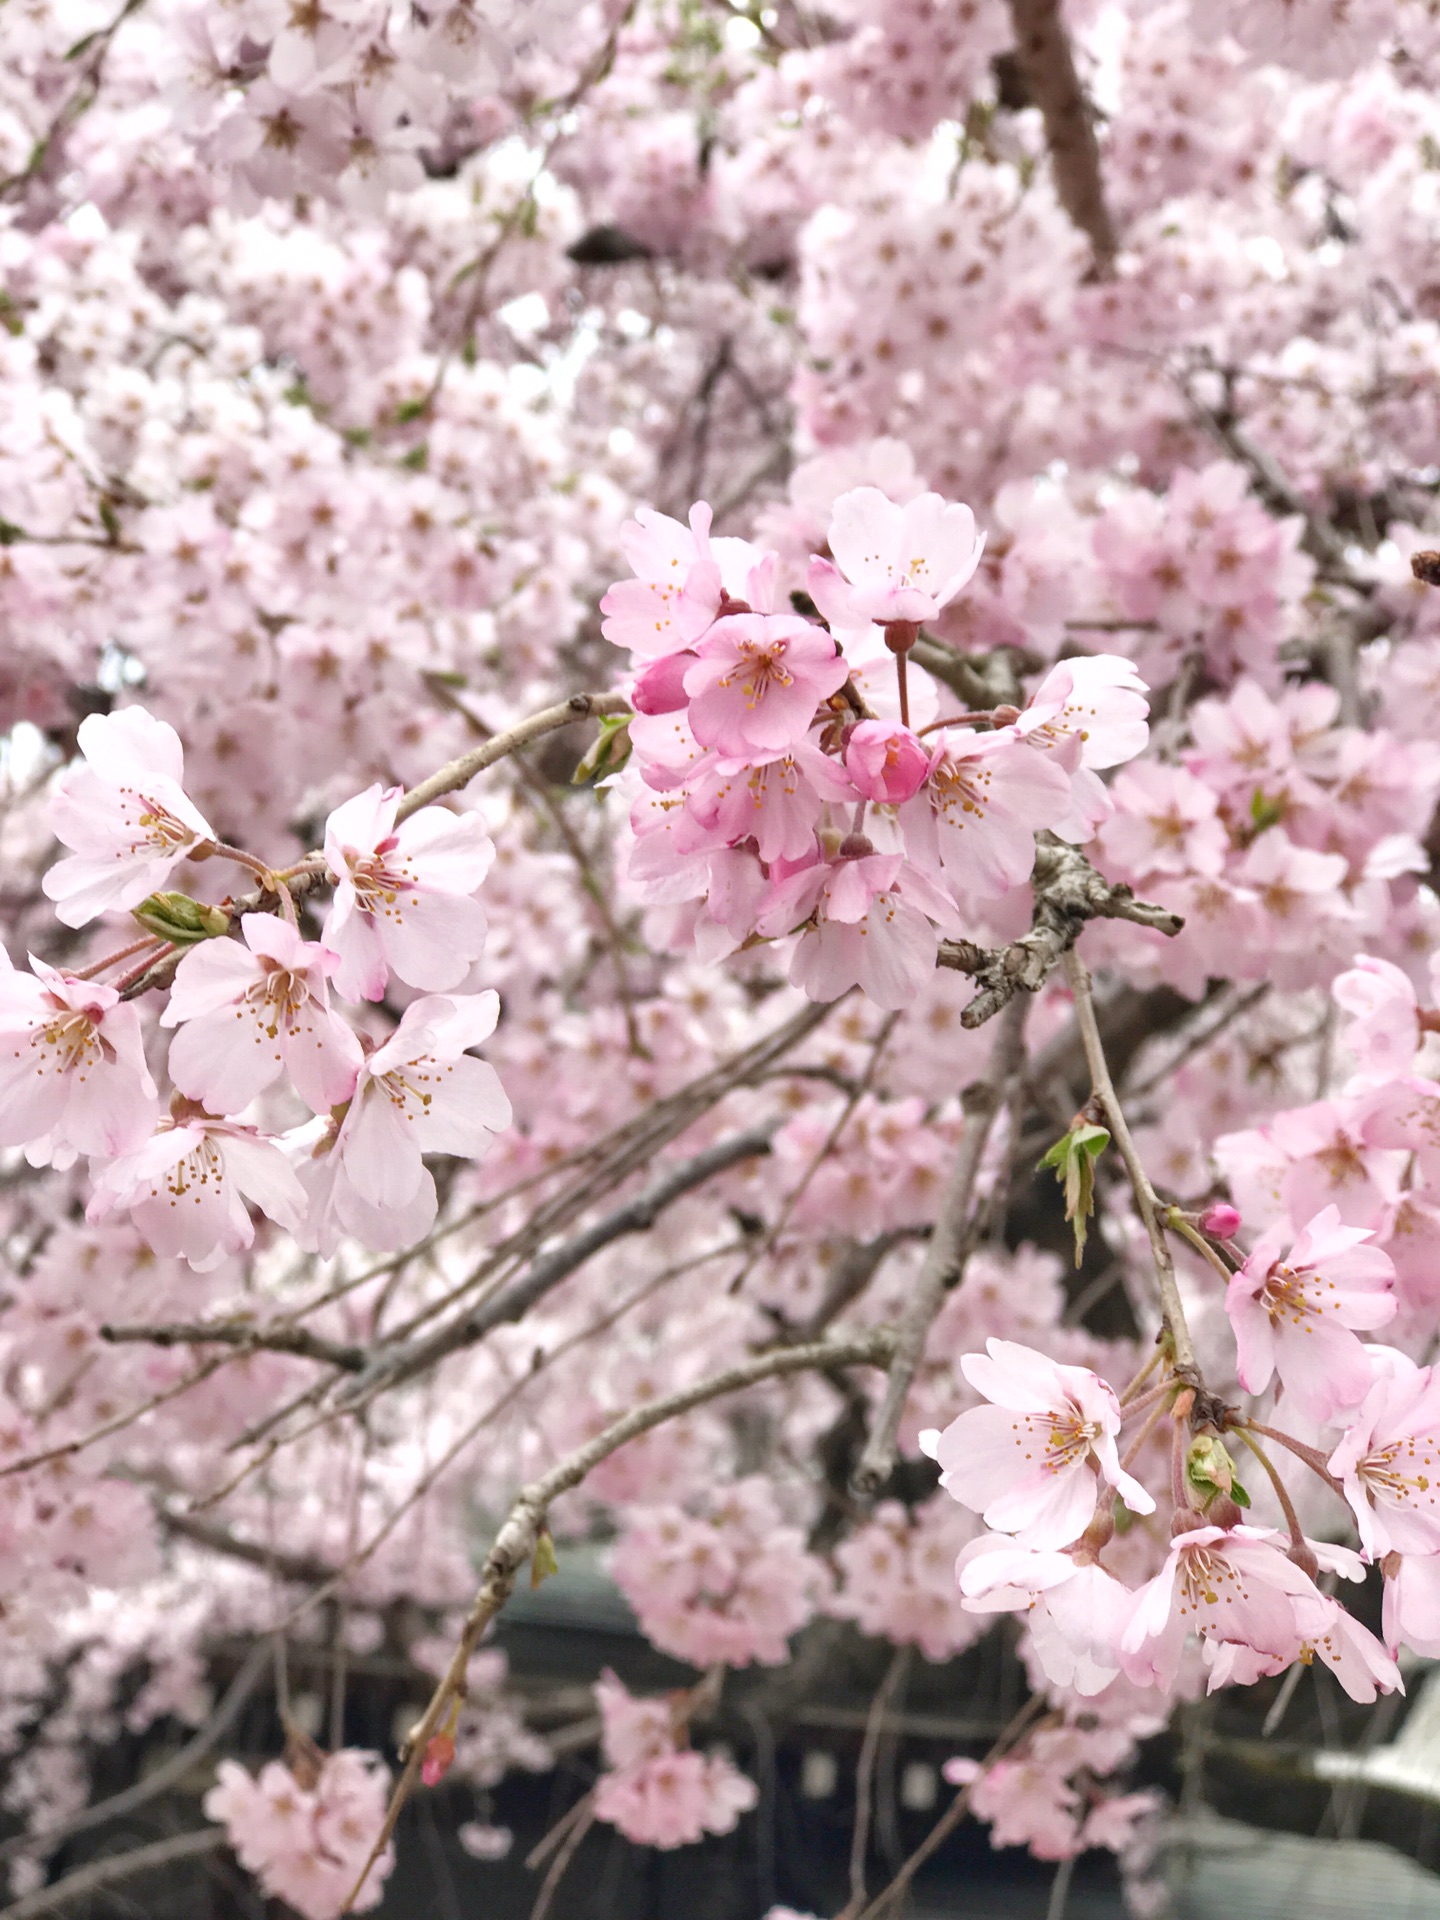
[
  {"x": 855, "y": 846},
  {"x": 1221, "y": 1221},
  {"x": 887, "y": 763},
  {"x": 179, "y": 919},
  {"x": 439, "y": 1758}
]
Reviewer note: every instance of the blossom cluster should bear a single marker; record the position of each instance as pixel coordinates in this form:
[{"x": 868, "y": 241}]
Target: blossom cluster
[
  {"x": 657, "y": 1791},
  {"x": 775, "y": 800},
  {"x": 251, "y": 1012},
  {"x": 305, "y": 1828}
]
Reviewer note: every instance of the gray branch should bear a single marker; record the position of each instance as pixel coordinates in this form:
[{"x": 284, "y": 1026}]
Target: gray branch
[
  {"x": 116, "y": 1867},
  {"x": 1068, "y": 893},
  {"x": 391, "y": 1368}
]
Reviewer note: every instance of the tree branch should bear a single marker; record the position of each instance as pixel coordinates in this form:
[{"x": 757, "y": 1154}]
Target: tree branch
[
  {"x": 1172, "y": 1307},
  {"x": 391, "y": 1368},
  {"x": 115, "y": 1867},
  {"x": 241, "y": 1333},
  {"x": 515, "y": 1542},
  {"x": 1042, "y": 51},
  {"x": 163, "y": 1777},
  {"x": 946, "y": 1252},
  {"x": 460, "y": 772},
  {"x": 1068, "y": 893}
]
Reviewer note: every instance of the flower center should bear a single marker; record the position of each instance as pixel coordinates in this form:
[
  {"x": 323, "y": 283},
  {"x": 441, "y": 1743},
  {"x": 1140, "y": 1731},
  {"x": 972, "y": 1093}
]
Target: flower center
[{"x": 68, "y": 1043}]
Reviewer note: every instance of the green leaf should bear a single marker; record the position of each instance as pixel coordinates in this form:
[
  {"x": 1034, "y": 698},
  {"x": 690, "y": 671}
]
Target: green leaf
[
  {"x": 1073, "y": 1158},
  {"x": 543, "y": 1562},
  {"x": 609, "y": 753}
]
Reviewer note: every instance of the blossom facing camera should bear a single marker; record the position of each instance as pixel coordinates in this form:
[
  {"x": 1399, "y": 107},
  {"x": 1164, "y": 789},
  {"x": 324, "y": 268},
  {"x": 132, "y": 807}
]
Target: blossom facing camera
[{"x": 124, "y": 815}]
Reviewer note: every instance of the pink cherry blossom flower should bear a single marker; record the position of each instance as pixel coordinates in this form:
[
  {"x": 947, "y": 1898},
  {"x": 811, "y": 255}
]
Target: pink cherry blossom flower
[
  {"x": 682, "y": 580},
  {"x": 1411, "y": 1609},
  {"x": 886, "y": 762},
  {"x": 1389, "y": 1459},
  {"x": 1384, "y": 1028},
  {"x": 124, "y": 815},
  {"x": 634, "y": 1728},
  {"x": 308, "y": 1844},
  {"x": 1031, "y": 1464},
  {"x": 403, "y": 894},
  {"x": 871, "y": 925},
  {"x": 72, "y": 1064},
  {"x": 674, "y": 1800},
  {"x": 1091, "y": 713},
  {"x": 188, "y": 1186},
  {"x": 1077, "y": 1610},
  {"x": 976, "y": 817},
  {"x": 247, "y": 1014},
  {"x": 1295, "y": 1316},
  {"x": 419, "y": 1093},
  {"x": 1234, "y": 1585},
  {"x": 777, "y": 802},
  {"x": 757, "y": 681},
  {"x": 894, "y": 563}
]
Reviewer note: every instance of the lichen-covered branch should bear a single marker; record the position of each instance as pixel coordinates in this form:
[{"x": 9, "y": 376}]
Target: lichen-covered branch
[{"x": 1068, "y": 894}]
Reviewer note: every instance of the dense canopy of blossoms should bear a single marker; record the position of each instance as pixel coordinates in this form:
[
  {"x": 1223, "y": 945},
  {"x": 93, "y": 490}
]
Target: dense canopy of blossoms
[{"x": 606, "y": 613}]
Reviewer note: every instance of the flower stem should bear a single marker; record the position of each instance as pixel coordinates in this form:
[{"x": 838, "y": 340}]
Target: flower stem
[
  {"x": 1282, "y": 1492},
  {"x": 128, "y": 979},
  {"x": 243, "y": 859},
  {"x": 1176, "y": 1220},
  {"x": 1312, "y": 1456},
  {"x": 1132, "y": 1452},
  {"x": 151, "y": 940},
  {"x": 1131, "y": 1387}
]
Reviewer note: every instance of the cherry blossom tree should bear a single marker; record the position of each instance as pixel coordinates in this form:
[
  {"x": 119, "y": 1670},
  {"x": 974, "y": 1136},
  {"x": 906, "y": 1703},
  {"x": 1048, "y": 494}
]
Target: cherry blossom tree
[{"x": 645, "y": 650}]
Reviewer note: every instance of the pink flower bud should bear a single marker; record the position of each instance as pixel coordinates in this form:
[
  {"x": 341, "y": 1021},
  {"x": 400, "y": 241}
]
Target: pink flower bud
[
  {"x": 660, "y": 687},
  {"x": 887, "y": 763},
  {"x": 1221, "y": 1221},
  {"x": 439, "y": 1757}
]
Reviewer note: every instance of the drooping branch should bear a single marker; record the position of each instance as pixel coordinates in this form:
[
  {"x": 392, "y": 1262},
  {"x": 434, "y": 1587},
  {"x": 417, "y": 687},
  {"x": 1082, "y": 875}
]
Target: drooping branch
[
  {"x": 1045, "y": 59},
  {"x": 114, "y": 1868},
  {"x": 1068, "y": 893},
  {"x": 515, "y": 1543},
  {"x": 945, "y": 1252},
  {"x": 160, "y": 1779},
  {"x": 1172, "y": 1308},
  {"x": 393, "y": 1366},
  {"x": 243, "y": 1334}
]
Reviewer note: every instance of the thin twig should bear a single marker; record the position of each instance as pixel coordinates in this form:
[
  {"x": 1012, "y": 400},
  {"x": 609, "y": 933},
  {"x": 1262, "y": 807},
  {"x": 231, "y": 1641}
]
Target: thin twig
[
  {"x": 459, "y": 772},
  {"x": 945, "y": 1253},
  {"x": 115, "y": 1867},
  {"x": 953, "y": 1814},
  {"x": 875, "y": 1724},
  {"x": 1172, "y": 1308}
]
